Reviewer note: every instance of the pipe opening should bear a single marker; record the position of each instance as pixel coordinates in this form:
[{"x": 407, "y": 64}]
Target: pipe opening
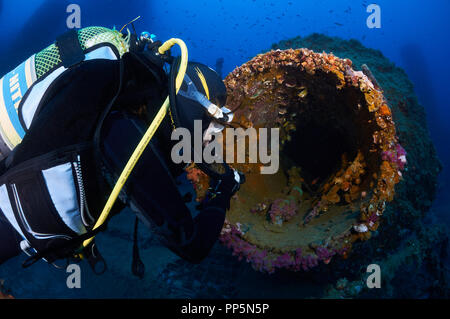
[{"x": 326, "y": 134}]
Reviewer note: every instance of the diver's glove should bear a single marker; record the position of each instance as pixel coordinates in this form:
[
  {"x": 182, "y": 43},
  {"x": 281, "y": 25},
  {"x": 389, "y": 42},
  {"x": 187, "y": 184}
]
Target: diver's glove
[
  {"x": 225, "y": 183},
  {"x": 223, "y": 117}
]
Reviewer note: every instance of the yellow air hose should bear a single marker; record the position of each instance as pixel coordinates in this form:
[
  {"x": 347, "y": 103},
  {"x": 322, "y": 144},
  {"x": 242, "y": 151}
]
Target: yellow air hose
[{"x": 147, "y": 136}]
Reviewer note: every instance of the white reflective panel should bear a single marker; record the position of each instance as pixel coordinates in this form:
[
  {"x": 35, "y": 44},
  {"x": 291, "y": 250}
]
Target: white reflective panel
[
  {"x": 105, "y": 53},
  {"x": 61, "y": 187},
  {"x": 7, "y": 210}
]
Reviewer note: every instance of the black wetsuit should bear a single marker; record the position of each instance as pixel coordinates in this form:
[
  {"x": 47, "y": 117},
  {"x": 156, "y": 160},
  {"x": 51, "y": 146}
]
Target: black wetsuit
[
  {"x": 84, "y": 90},
  {"x": 151, "y": 189}
]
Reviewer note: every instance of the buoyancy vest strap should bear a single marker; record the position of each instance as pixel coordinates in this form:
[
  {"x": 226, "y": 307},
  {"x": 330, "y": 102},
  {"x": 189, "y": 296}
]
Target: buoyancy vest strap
[
  {"x": 66, "y": 248},
  {"x": 98, "y": 129},
  {"x": 105, "y": 113},
  {"x": 69, "y": 47},
  {"x": 150, "y": 69}
]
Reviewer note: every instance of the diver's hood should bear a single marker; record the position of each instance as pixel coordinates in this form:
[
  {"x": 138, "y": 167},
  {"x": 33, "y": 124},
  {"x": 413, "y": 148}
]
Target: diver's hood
[{"x": 202, "y": 87}]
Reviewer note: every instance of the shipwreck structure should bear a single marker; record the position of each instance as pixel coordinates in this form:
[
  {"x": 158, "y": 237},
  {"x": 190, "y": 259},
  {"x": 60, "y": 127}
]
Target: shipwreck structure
[{"x": 340, "y": 159}]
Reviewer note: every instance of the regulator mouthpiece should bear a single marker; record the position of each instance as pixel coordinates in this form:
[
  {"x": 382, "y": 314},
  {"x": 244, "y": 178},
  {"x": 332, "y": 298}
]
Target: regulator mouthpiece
[{"x": 147, "y": 37}]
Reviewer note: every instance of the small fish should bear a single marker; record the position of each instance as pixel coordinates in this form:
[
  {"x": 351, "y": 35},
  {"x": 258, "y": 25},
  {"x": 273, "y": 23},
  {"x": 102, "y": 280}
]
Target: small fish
[{"x": 314, "y": 182}]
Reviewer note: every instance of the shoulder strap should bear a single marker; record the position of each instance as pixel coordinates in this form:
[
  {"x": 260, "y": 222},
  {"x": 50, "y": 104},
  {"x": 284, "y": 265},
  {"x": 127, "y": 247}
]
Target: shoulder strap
[
  {"x": 96, "y": 139},
  {"x": 70, "y": 50}
]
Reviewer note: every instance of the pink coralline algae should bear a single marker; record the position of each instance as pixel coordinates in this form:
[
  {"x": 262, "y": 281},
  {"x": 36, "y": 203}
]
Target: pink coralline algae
[
  {"x": 373, "y": 218},
  {"x": 306, "y": 262},
  {"x": 313, "y": 213},
  {"x": 282, "y": 210},
  {"x": 397, "y": 156},
  {"x": 231, "y": 238},
  {"x": 325, "y": 254},
  {"x": 267, "y": 261}
]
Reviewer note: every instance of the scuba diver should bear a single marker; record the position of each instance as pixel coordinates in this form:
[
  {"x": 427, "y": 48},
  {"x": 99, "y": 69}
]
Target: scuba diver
[{"x": 85, "y": 131}]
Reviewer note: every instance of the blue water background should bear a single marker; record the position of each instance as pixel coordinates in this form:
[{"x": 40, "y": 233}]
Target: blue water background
[{"x": 414, "y": 34}]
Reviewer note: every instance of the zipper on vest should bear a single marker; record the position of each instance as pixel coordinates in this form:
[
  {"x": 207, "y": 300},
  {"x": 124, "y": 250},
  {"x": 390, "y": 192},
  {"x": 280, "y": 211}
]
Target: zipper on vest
[{"x": 83, "y": 203}]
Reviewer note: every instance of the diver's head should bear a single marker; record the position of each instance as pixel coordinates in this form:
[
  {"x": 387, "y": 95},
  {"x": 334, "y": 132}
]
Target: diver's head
[
  {"x": 147, "y": 37},
  {"x": 201, "y": 97}
]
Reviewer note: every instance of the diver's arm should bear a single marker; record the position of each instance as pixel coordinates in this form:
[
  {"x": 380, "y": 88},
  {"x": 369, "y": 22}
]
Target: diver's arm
[
  {"x": 207, "y": 226},
  {"x": 209, "y": 222}
]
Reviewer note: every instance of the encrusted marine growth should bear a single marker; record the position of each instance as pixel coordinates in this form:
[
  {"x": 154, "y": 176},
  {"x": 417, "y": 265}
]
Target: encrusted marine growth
[{"x": 339, "y": 161}]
